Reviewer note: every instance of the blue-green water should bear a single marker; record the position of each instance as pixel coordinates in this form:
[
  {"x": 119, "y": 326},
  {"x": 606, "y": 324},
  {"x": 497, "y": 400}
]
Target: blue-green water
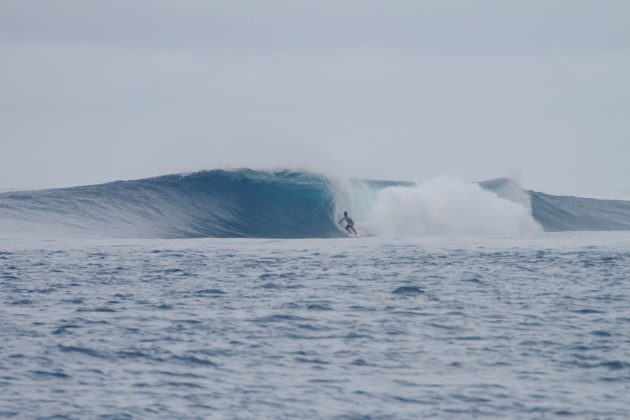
[{"x": 450, "y": 327}]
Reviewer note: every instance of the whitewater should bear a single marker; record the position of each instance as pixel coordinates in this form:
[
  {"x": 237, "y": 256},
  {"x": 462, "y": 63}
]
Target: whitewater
[{"x": 236, "y": 294}]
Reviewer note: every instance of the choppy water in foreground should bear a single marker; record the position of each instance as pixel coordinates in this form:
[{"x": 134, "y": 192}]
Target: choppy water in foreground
[{"x": 450, "y": 327}]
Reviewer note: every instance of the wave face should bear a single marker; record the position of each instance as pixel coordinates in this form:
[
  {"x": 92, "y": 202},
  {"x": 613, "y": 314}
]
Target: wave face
[
  {"x": 289, "y": 204},
  {"x": 559, "y": 213},
  {"x": 218, "y": 203},
  {"x": 565, "y": 213}
]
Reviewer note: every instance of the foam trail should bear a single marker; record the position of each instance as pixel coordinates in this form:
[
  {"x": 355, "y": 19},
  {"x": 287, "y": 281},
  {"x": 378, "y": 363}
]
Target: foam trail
[{"x": 447, "y": 206}]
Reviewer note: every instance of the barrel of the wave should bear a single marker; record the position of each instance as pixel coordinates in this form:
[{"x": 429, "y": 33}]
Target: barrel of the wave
[{"x": 217, "y": 203}]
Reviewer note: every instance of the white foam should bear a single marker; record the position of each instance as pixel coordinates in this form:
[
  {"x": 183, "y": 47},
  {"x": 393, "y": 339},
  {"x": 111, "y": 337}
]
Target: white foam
[{"x": 445, "y": 206}]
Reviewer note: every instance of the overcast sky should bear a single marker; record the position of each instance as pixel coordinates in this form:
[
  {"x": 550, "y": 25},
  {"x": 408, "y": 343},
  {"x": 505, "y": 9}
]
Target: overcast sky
[{"x": 94, "y": 91}]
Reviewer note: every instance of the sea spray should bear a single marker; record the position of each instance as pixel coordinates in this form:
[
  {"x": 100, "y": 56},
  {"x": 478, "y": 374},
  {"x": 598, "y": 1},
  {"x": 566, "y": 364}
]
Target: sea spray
[{"x": 447, "y": 206}]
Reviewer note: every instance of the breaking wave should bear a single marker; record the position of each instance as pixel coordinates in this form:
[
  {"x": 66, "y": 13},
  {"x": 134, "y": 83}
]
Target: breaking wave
[
  {"x": 447, "y": 206},
  {"x": 290, "y": 204}
]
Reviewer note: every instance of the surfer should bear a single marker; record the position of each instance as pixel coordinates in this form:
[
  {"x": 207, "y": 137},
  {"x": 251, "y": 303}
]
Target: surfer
[{"x": 349, "y": 223}]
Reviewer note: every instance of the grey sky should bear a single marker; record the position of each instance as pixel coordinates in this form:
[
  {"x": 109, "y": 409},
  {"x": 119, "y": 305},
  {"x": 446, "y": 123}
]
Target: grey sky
[{"x": 92, "y": 91}]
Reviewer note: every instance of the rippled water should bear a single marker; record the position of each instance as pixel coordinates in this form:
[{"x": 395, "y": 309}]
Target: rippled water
[{"x": 450, "y": 327}]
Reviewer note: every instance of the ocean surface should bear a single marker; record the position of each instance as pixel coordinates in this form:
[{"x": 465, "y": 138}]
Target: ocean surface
[
  {"x": 236, "y": 294},
  {"x": 450, "y": 326}
]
